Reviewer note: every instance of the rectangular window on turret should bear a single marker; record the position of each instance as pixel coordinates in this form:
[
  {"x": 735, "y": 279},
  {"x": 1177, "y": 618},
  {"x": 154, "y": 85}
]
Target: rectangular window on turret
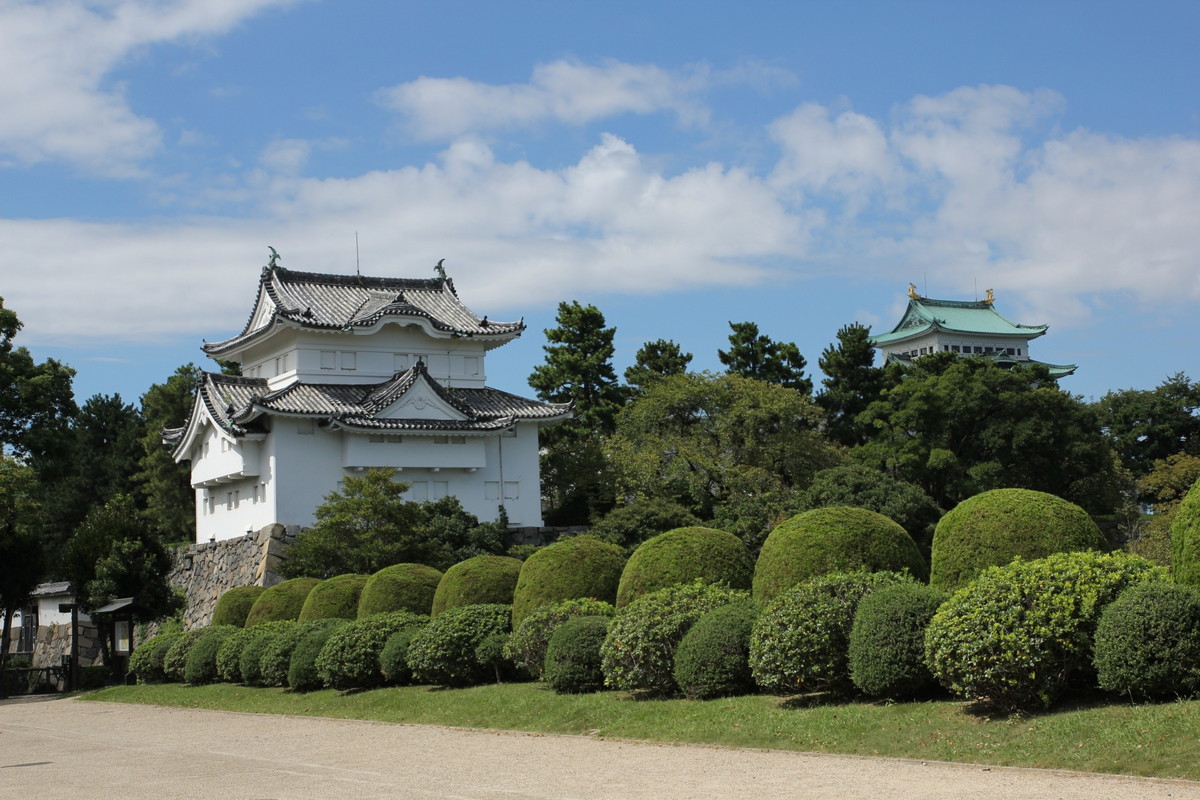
[
  {"x": 491, "y": 490},
  {"x": 512, "y": 490},
  {"x": 349, "y": 360},
  {"x": 328, "y": 359}
]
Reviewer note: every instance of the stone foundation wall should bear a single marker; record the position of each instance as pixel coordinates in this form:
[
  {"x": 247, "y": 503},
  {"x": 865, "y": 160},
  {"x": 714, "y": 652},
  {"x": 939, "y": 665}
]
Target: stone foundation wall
[
  {"x": 54, "y": 641},
  {"x": 205, "y": 571}
]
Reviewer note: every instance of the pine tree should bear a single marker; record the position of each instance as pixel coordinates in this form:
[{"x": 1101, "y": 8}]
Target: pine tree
[
  {"x": 851, "y": 383},
  {"x": 164, "y": 485},
  {"x": 656, "y": 360},
  {"x": 755, "y": 355}
]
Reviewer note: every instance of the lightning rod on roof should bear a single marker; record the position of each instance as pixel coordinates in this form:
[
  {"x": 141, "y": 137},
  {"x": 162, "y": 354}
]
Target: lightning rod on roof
[{"x": 357, "y": 263}]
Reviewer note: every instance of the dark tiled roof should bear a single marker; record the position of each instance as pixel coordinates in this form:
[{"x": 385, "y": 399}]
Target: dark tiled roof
[
  {"x": 235, "y": 403},
  {"x": 343, "y": 302}
]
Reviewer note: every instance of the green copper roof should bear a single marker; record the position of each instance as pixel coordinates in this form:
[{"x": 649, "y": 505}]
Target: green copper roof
[{"x": 925, "y": 314}]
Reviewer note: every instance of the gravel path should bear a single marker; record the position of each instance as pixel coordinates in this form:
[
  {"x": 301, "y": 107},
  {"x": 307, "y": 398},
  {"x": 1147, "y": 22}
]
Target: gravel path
[{"x": 70, "y": 749}]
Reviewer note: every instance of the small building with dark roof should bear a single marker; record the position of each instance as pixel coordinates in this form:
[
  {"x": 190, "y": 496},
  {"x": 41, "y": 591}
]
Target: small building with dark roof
[
  {"x": 964, "y": 327},
  {"x": 345, "y": 373}
]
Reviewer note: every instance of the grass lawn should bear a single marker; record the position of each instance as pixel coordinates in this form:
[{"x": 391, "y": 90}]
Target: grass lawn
[{"x": 1161, "y": 740}]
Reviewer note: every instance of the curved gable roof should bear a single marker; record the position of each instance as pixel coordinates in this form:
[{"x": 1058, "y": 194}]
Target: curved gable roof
[
  {"x": 318, "y": 301},
  {"x": 958, "y": 316}
]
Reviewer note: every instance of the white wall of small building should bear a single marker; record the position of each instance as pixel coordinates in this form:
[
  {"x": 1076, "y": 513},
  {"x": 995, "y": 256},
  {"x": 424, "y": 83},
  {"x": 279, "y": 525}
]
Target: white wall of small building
[{"x": 935, "y": 342}]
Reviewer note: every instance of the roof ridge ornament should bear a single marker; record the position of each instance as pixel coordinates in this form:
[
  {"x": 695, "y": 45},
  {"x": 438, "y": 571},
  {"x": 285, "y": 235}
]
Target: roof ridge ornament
[
  {"x": 440, "y": 270},
  {"x": 912, "y": 292},
  {"x": 990, "y": 297},
  {"x": 273, "y": 261}
]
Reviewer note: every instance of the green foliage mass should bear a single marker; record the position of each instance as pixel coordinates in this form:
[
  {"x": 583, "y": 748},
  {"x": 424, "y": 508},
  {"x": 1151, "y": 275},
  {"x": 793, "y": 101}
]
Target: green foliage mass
[
  {"x": 277, "y": 655},
  {"x": 1019, "y": 635},
  {"x": 400, "y": 587},
  {"x": 887, "y": 641},
  {"x": 482, "y": 580},
  {"x": 578, "y": 370},
  {"x": 526, "y": 647},
  {"x": 166, "y": 486},
  {"x": 713, "y": 659},
  {"x": 350, "y": 657},
  {"x": 851, "y": 383},
  {"x": 656, "y": 360},
  {"x": 201, "y": 664},
  {"x": 1145, "y": 426},
  {"x": 251, "y": 660},
  {"x": 114, "y": 554},
  {"x": 21, "y": 553},
  {"x": 682, "y": 556},
  {"x": 446, "y": 651},
  {"x": 393, "y": 659},
  {"x": 146, "y": 661},
  {"x": 859, "y": 486},
  {"x": 234, "y": 605},
  {"x": 572, "y": 663},
  {"x": 630, "y": 525},
  {"x": 283, "y": 601},
  {"x": 703, "y": 440},
  {"x": 302, "y": 670},
  {"x": 580, "y": 566},
  {"x": 333, "y": 597},
  {"x": 958, "y": 426},
  {"x": 993, "y": 528},
  {"x": 1147, "y": 644},
  {"x": 1185, "y": 538},
  {"x": 801, "y": 640},
  {"x": 834, "y": 539},
  {"x": 639, "y": 651},
  {"x": 756, "y": 356},
  {"x": 175, "y": 659},
  {"x": 229, "y": 655}
]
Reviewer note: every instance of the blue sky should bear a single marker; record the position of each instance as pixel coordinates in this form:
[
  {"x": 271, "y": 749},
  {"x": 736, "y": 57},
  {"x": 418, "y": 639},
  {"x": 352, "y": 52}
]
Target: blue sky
[{"x": 678, "y": 164}]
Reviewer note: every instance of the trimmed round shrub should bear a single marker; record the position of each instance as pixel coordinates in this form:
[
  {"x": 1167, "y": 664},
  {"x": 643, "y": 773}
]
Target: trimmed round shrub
[
  {"x": 175, "y": 658},
  {"x": 445, "y": 652},
  {"x": 400, "y": 587},
  {"x": 482, "y": 580},
  {"x": 1185, "y": 538},
  {"x": 639, "y": 651},
  {"x": 276, "y": 657},
  {"x": 526, "y": 648},
  {"x": 283, "y": 601},
  {"x": 713, "y": 659},
  {"x": 234, "y": 605},
  {"x": 993, "y": 528},
  {"x": 393, "y": 659},
  {"x": 229, "y": 655},
  {"x": 146, "y": 661},
  {"x": 333, "y": 597},
  {"x": 800, "y": 642},
  {"x": 1147, "y": 644},
  {"x": 581, "y": 566},
  {"x": 302, "y": 671},
  {"x": 201, "y": 664},
  {"x": 252, "y": 652},
  {"x": 1017, "y": 636},
  {"x": 682, "y": 556},
  {"x": 887, "y": 641},
  {"x": 350, "y": 657},
  {"x": 572, "y": 664},
  {"x": 834, "y": 539}
]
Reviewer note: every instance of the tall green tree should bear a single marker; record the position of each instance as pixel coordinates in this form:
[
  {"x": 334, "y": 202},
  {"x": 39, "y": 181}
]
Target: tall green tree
[
  {"x": 851, "y": 383},
  {"x": 36, "y": 401},
  {"x": 655, "y": 360},
  {"x": 704, "y": 440},
  {"x": 958, "y": 426},
  {"x": 578, "y": 370},
  {"x": 164, "y": 486},
  {"x": 1146, "y": 426},
  {"x": 755, "y": 355},
  {"x": 21, "y": 553}
]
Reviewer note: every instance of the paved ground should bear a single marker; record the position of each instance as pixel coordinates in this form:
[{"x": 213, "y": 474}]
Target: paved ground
[{"x": 52, "y": 749}]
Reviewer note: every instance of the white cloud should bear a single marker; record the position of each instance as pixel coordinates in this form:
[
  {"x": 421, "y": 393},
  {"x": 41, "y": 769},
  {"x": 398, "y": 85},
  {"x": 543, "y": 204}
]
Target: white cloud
[
  {"x": 60, "y": 108},
  {"x": 564, "y": 91}
]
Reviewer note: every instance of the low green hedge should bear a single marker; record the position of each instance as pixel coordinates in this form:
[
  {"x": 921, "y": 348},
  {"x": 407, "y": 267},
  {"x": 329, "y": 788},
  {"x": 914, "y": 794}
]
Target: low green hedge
[
  {"x": 572, "y": 663},
  {"x": 234, "y": 605},
  {"x": 482, "y": 580},
  {"x": 887, "y": 641},
  {"x": 302, "y": 669},
  {"x": 446, "y": 651},
  {"x": 526, "y": 648},
  {"x": 333, "y": 597},
  {"x": 833, "y": 539},
  {"x": 350, "y": 658},
  {"x": 252, "y": 652},
  {"x": 201, "y": 664},
  {"x": 175, "y": 659},
  {"x": 229, "y": 655},
  {"x": 283, "y": 601},
  {"x": 682, "y": 556},
  {"x": 146, "y": 661},
  {"x": 393, "y": 660},
  {"x": 1147, "y": 643},
  {"x": 713, "y": 659},
  {"x": 400, "y": 587},
  {"x": 580, "y": 566}
]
